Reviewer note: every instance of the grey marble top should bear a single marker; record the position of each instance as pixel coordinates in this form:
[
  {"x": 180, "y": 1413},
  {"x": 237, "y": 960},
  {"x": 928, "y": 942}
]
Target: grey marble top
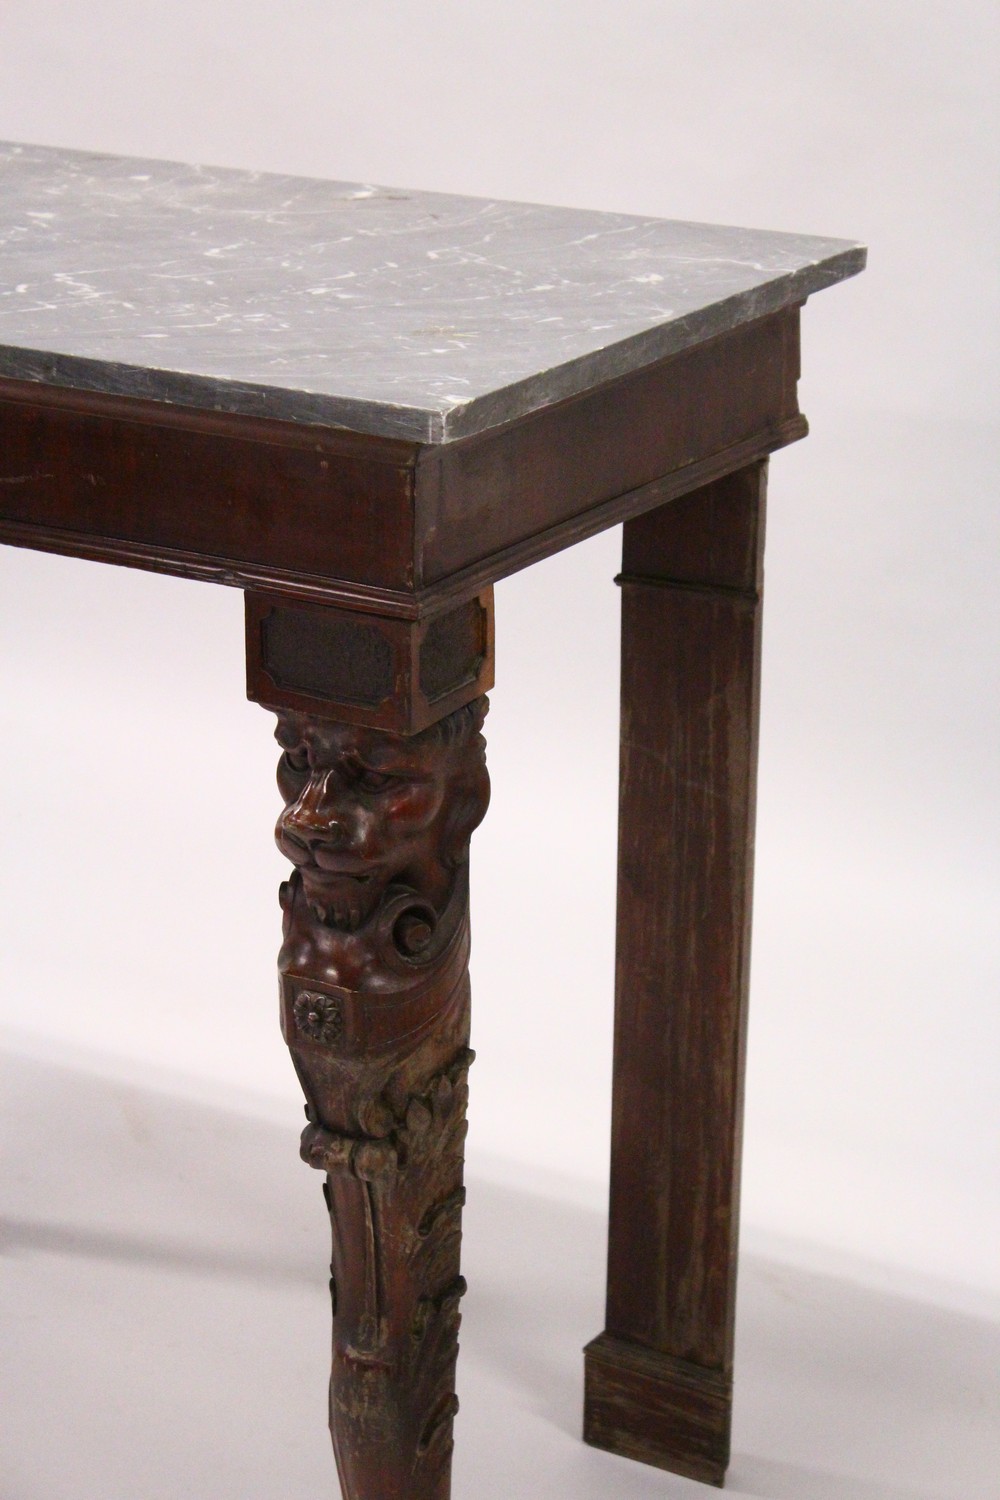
[{"x": 407, "y": 314}]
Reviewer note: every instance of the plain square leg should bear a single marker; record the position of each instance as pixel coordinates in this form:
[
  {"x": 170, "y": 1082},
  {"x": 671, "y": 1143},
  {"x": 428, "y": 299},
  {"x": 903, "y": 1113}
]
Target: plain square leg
[{"x": 659, "y": 1379}]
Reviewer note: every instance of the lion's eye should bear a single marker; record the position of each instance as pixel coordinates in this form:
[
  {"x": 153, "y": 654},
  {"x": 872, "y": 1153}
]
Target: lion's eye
[
  {"x": 374, "y": 781},
  {"x": 297, "y": 760}
]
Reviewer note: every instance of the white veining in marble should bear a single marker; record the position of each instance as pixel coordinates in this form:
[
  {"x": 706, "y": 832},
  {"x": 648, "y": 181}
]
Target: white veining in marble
[{"x": 406, "y": 314}]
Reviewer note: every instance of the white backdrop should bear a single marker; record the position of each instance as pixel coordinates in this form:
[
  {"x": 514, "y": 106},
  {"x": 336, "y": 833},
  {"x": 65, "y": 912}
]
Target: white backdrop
[{"x": 138, "y": 910}]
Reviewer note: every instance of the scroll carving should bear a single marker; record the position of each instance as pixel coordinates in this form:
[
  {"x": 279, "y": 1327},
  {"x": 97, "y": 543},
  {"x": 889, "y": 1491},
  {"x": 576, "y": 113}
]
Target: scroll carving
[{"x": 375, "y": 1011}]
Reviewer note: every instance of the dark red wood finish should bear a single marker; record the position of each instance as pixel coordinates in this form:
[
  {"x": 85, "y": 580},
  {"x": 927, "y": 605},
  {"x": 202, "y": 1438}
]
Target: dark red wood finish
[
  {"x": 479, "y": 497},
  {"x": 375, "y": 1010},
  {"x": 375, "y": 524},
  {"x": 393, "y": 674},
  {"x": 365, "y": 561},
  {"x": 659, "y": 1378},
  {"x": 186, "y": 491}
]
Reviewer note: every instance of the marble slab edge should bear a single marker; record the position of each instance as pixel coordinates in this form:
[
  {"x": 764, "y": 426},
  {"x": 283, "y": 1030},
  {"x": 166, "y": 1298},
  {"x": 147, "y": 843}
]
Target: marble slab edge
[{"x": 447, "y": 423}]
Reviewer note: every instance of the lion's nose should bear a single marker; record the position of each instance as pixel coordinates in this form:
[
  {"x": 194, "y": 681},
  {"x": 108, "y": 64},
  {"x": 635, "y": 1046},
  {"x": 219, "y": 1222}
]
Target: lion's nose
[{"x": 312, "y": 819}]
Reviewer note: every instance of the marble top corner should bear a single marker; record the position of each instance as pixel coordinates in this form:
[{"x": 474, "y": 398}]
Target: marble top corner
[{"x": 403, "y": 314}]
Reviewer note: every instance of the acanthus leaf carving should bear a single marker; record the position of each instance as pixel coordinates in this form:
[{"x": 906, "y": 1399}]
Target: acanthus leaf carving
[{"x": 375, "y": 1009}]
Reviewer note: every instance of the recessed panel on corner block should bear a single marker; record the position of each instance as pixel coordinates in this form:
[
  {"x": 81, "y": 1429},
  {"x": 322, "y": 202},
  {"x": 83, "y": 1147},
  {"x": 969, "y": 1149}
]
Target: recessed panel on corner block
[
  {"x": 363, "y": 406},
  {"x": 400, "y": 675}
]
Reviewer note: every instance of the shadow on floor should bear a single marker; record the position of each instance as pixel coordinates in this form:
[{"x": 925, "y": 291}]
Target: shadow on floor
[{"x": 165, "y": 1323}]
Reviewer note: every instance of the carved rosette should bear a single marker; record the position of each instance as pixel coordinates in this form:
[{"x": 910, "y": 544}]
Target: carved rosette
[{"x": 375, "y": 1010}]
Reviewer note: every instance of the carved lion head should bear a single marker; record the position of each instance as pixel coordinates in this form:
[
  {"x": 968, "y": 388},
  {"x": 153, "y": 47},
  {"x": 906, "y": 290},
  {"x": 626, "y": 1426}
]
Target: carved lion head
[{"x": 365, "y": 809}]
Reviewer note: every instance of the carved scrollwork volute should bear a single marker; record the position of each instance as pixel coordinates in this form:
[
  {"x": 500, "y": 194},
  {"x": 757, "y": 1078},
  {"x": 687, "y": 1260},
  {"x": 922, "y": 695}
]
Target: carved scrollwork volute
[{"x": 375, "y": 1010}]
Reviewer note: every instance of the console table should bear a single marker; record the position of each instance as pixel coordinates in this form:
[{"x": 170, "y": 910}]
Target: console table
[{"x": 363, "y": 406}]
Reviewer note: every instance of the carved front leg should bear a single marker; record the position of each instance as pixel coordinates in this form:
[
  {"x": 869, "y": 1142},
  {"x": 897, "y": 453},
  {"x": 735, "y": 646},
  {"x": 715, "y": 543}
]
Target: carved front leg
[{"x": 375, "y": 1010}]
